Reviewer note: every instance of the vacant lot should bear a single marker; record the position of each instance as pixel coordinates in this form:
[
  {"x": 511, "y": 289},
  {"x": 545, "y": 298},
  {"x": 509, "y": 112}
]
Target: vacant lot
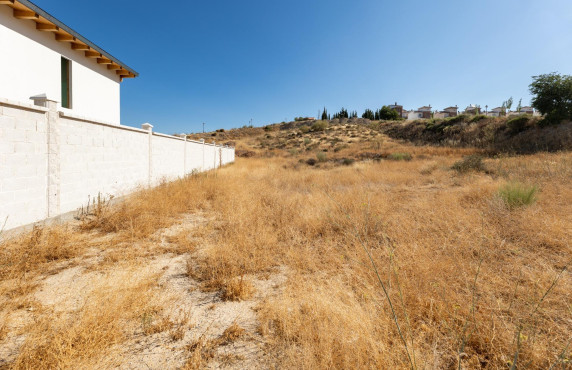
[{"x": 396, "y": 262}]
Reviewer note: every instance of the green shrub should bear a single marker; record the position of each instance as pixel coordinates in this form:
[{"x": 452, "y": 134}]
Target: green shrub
[
  {"x": 400, "y": 157},
  {"x": 304, "y": 129},
  {"x": 319, "y": 125},
  {"x": 307, "y": 140},
  {"x": 293, "y": 151},
  {"x": 477, "y": 118},
  {"x": 470, "y": 163},
  {"x": 517, "y": 124},
  {"x": 348, "y": 161},
  {"x": 456, "y": 119},
  {"x": 321, "y": 156},
  {"x": 516, "y": 194}
]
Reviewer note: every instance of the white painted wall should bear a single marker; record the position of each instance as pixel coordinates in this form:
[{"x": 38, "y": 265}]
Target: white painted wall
[
  {"x": 23, "y": 165},
  {"x": 100, "y": 159},
  {"x": 31, "y": 64},
  {"x": 94, "y": 158}
]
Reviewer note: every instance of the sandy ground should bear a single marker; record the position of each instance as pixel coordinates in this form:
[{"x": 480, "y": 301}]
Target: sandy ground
[{"x": 200, "y": 314}]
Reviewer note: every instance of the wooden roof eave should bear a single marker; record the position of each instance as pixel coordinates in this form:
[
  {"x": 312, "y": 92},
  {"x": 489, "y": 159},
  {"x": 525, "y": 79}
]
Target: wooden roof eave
[{"x": 24, "y": 9}]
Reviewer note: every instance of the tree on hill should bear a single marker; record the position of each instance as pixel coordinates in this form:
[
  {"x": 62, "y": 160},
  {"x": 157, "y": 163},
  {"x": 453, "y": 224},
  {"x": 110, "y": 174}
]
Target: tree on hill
[
  {"x": 386, "y": 113},
  {"x": 343, "y": 113},
  {"x": 325, "y": 115},
  {"x": 368, "y": 114},
  {"x": 552, "y": 96}
]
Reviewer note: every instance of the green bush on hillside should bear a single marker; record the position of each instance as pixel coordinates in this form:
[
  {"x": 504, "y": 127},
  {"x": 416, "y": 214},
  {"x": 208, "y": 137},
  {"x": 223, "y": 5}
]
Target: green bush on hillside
[
  {"x": 319, "y": 125},
  {"x": 470, "y": 163},
  {"x": 517, "y": 124}
]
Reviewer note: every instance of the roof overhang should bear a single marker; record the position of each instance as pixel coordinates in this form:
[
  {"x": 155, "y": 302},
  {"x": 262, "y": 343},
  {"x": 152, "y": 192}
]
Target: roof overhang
[{"x": 24, "y": 9}]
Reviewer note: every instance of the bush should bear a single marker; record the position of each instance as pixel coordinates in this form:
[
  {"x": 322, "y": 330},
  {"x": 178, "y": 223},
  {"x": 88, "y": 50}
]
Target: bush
[
  {"x": 517, "y": 194},
  {"x": 477, "y": 118},
  {"x": 400, "y": 156},
  {"x": 322, "y": 157},
  {"x": 517, "y": 124},
  {"x": 348, "y": 161},
  {"x": 311, "y": 162},
  {"x": 319, "y": 126},
  {"x": 304, "y": 129},
  {"x": 470, "y": 163},
  {"x": 456, "y": 119}
]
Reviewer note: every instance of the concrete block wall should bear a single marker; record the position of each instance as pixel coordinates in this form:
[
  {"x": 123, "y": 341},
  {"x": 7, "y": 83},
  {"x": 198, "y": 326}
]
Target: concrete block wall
[
  {"x": 97, "y": 159},
  {"x": 52, "y": 163},
  {"x": 23, "y": 164},
  {"x": 168, "y": 158}
]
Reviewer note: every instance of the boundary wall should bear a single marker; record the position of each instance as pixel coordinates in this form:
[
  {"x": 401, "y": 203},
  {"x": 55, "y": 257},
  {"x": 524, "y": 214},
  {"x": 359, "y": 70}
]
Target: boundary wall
[{"x": 53, "y": 163}]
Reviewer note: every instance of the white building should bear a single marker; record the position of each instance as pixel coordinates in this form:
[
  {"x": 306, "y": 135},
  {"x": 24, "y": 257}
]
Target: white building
[{"x": 45, "y": 57}]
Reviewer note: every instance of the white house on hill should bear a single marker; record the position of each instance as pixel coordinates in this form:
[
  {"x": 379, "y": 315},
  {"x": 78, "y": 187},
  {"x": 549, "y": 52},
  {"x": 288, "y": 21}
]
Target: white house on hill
[{"x": 43, "y": 56}]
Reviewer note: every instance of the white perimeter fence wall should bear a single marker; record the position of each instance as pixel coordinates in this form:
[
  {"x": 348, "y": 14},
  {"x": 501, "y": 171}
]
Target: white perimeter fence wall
[{"x": 52, "y": 163}]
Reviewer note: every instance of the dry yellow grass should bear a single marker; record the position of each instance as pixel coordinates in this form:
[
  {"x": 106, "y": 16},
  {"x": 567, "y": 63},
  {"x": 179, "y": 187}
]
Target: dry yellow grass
[{"x": 391, "y": 264}]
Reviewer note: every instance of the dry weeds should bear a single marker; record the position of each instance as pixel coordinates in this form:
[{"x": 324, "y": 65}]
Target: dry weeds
[{"x": 391, "y": 264}]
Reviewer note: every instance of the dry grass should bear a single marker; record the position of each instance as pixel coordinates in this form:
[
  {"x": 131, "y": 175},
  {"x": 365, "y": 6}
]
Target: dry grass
[
  {"x": 117, "y": 306},
  {"x": 391, "y": 264},
  {"x": 237, "y": 289},
  {"x": 462, "y": 280},
  {"x": 203, "y": 350}
]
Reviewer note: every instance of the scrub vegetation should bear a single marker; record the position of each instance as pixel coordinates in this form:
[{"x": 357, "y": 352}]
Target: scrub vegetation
[{"x": 381, "y": 254}]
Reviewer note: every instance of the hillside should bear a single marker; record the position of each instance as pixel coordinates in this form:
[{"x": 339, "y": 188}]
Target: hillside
[{"x": 357, "y": 138}]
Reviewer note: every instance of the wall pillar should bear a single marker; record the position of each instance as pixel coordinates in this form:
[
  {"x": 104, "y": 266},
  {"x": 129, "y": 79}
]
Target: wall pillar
[
  {"x": 203, "y": 166},
  {"x": 214, "y": 145},
  {"x": 53, "y": 140},
  {"x": 149, "y": 127},
  {"x": 184, "y": 136}
]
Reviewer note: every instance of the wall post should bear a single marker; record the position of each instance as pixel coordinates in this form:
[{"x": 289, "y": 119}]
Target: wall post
[
  {"x": 214, "y": 145},
  {"x": 53, "y": 141},
  {"x": 203, "y": 166},
  {"x": 149, "y": 127},
  {"x": 184, "y": 136}
]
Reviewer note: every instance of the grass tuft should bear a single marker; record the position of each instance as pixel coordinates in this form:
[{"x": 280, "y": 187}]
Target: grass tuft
[{"x": 516, "y": 194}]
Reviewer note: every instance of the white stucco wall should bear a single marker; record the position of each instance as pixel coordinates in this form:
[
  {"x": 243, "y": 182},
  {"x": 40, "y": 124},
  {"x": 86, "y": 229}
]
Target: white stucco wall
[
  {"x": 91, "y": 158},
  {"x": 31, "y": 64}
]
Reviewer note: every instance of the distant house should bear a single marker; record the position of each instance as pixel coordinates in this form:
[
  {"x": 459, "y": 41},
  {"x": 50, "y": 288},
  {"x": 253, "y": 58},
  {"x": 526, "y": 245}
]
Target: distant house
[
  {"x": 447, "y": 112},
  {"x": 497, "y": 112},
  {"x": 420, "y": 113},
  {"x": 473, "y": 109},
  {"x": 527, "y": 110},
  {"x": 450, "y": 111},
  {"x": 398, "y": 108}
]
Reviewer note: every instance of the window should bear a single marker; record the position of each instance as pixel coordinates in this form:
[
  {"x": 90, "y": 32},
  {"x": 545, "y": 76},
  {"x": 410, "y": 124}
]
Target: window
[{"x": 66, "y": 91}]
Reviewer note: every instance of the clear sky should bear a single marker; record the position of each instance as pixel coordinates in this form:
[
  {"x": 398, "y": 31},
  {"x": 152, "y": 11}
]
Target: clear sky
[{"x": 227, "y": 62}]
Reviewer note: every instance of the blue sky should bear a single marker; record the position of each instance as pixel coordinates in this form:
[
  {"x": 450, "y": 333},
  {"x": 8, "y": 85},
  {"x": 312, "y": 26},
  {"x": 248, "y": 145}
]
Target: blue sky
[{"x": 227, "y": 62}]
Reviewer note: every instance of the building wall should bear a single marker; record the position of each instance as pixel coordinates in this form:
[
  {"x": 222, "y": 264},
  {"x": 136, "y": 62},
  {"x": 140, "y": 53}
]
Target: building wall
[
  {"x": 52, "y": 162},
  {"x": 33, "y": 61}
]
